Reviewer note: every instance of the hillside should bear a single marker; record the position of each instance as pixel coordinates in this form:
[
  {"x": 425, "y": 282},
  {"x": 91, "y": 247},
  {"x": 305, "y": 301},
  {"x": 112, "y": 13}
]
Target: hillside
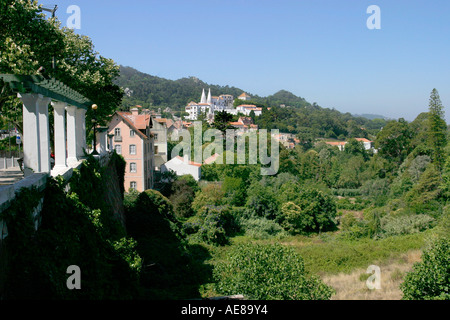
[
  {"x": 151, "y": 91},
  {"x": 297, "y": 115},
  {"x": 371, "y": 116}
]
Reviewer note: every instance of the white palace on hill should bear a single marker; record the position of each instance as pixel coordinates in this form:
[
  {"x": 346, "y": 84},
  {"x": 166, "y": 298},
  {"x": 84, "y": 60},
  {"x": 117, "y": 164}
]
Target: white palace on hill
[{"x": 212, "y": 104}]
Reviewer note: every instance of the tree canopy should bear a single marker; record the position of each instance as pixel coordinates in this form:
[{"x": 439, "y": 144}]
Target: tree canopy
[{"x": 29, "y": 41}]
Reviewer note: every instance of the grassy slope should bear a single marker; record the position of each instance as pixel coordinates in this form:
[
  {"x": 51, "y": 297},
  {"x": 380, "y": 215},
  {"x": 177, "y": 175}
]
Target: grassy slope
[{"x": 340, "y": 263}]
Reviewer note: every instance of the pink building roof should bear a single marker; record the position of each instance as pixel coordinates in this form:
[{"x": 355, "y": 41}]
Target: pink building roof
[{"x": 137, "y": 122}]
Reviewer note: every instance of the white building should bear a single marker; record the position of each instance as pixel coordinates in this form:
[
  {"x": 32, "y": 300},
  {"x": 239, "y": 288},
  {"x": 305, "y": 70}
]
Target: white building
[
  {"x": 159, "y": 132},
  {"x": 205, "y": 106},
  {"x": 368, "y": 145},
  {"x": 183, "y": 166},
  {"x": 244, "y": 97},
  {"x": 247, "y": 108},
  {"x": 209, "y": 105}
]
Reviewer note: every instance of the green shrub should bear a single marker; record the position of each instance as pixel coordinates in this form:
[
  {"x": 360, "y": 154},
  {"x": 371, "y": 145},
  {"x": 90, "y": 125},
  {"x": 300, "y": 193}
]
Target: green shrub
[
  {"x": 375, "y": 188},
  {"x": 169, "y": 270},
  {"x": 426, "y": 189},
  {"x": 346, "y": 192},
  {"x": 192, "y": 225},
  {"x": 305, "y": 209},
  {"x": 218, "y": 224},
  {"x": 268, "y": 272},
  {"x": 320, "y": 206},
  {"x": 261, "y": 228},
  {"x": 294, "y": 220},
  {"x": 430, "y": 279},
  {"x": 234, "y": 189},
  {"x": 443, "y": 225},
  {"x": 130, "y": 198},
  {"x": 357, "y": 204},
  {"x": 212, "y": 231},
  {"x": 262, "y": 201},
  {"x": 353, "y": 228},
  {"x": 151, "y": 214},
  {"x": 182, "y": 195},
  {"x": 393, "y": 226},
  {"x": 209, "y": 195}
]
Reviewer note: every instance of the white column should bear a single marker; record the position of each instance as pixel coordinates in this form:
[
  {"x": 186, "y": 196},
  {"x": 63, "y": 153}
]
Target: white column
[
  {"x": 110, "y": 142},
  {"x": 44, "y": 134},
  {"x": 101, "y": 140},
  {"x": 60, "y": 134},
  {"x": 31, "y": 145},
  {"x": 81, "y": 132},
  {"x": 71, "y": 135}
]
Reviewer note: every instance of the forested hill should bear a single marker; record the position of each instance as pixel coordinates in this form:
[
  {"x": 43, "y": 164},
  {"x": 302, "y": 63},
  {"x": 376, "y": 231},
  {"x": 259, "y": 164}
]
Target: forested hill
[
  {"x": 151, "y": 91},
  {"x": 296, "y": 116},
  {"x": 148, "y": 91}
]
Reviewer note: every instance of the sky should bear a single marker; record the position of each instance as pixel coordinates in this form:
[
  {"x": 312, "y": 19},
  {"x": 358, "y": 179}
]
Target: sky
[{"x": 321, "y": 50}]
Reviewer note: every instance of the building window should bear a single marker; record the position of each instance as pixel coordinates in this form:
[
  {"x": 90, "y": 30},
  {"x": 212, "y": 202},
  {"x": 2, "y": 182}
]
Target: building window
[
  {"x": 133, "y": 167},
  {"x": 132, "y": 133},
  {"x": 155, "y": 136},
  {"x": 117, "y": 136},
  {"x": 118, "y": 149},
  {"x": 133, "y": 185},
  {"x": 132, "y": 149},
  {"x": 156, "y": 149}
]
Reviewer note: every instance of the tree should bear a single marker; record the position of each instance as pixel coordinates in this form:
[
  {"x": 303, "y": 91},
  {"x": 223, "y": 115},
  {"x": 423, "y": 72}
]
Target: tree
[
  {"x": 222, "y": 121},
  {"x": 394, "y": 141},
  {"x": 210, "y": 195},
  {"x": 355, "y": 147},
  {"x": 262, "y": 201},
  {"x": 218, "y": 223},
  {"x": 234, "y": 189},
  {"x": 426, "y": 189},
  {"x": 305, "y": 209},
  {"x": 318, "y": 208},
  {"x": 293, "y": 220},
  {"x": 29, "y": 41},
  {"x": 182, "y": 195},
  {"x": 437, "y": 128},
  {"x": 268, "y": 272},
  {"x": 430, "y": 279}
]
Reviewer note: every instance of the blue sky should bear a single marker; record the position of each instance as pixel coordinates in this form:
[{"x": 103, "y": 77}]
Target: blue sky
[{"x": 318, "y": 49}]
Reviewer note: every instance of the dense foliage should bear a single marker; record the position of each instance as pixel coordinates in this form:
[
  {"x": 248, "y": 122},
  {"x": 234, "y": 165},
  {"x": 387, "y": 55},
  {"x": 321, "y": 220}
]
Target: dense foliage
[
  {"x": 29, "y": 40},
  {"x": 172, "y": 269},
  {"x": 430, "y": 279},
  {"x": 268, "y": 272},
  {"x": 350, "y": 207},
  {"x": 72, "y": 232}
]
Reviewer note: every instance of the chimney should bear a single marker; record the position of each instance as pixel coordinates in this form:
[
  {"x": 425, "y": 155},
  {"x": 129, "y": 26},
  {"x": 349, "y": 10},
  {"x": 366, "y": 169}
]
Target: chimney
[{"x": 134, "y": 111}]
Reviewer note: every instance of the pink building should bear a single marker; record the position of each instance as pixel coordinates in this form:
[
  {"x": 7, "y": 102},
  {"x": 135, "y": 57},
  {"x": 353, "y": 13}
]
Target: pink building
[{"x": 132, "y": 139}]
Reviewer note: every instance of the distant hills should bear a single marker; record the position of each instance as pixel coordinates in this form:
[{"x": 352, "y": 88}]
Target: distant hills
[
  {"x": 288, "y": 112},
  {"x": 151, "y": 91},
  {"x": 371, "y": 116}
]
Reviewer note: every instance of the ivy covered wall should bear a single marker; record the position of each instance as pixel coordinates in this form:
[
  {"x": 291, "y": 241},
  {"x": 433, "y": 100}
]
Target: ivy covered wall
[{"x": 83, "y": 226}]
